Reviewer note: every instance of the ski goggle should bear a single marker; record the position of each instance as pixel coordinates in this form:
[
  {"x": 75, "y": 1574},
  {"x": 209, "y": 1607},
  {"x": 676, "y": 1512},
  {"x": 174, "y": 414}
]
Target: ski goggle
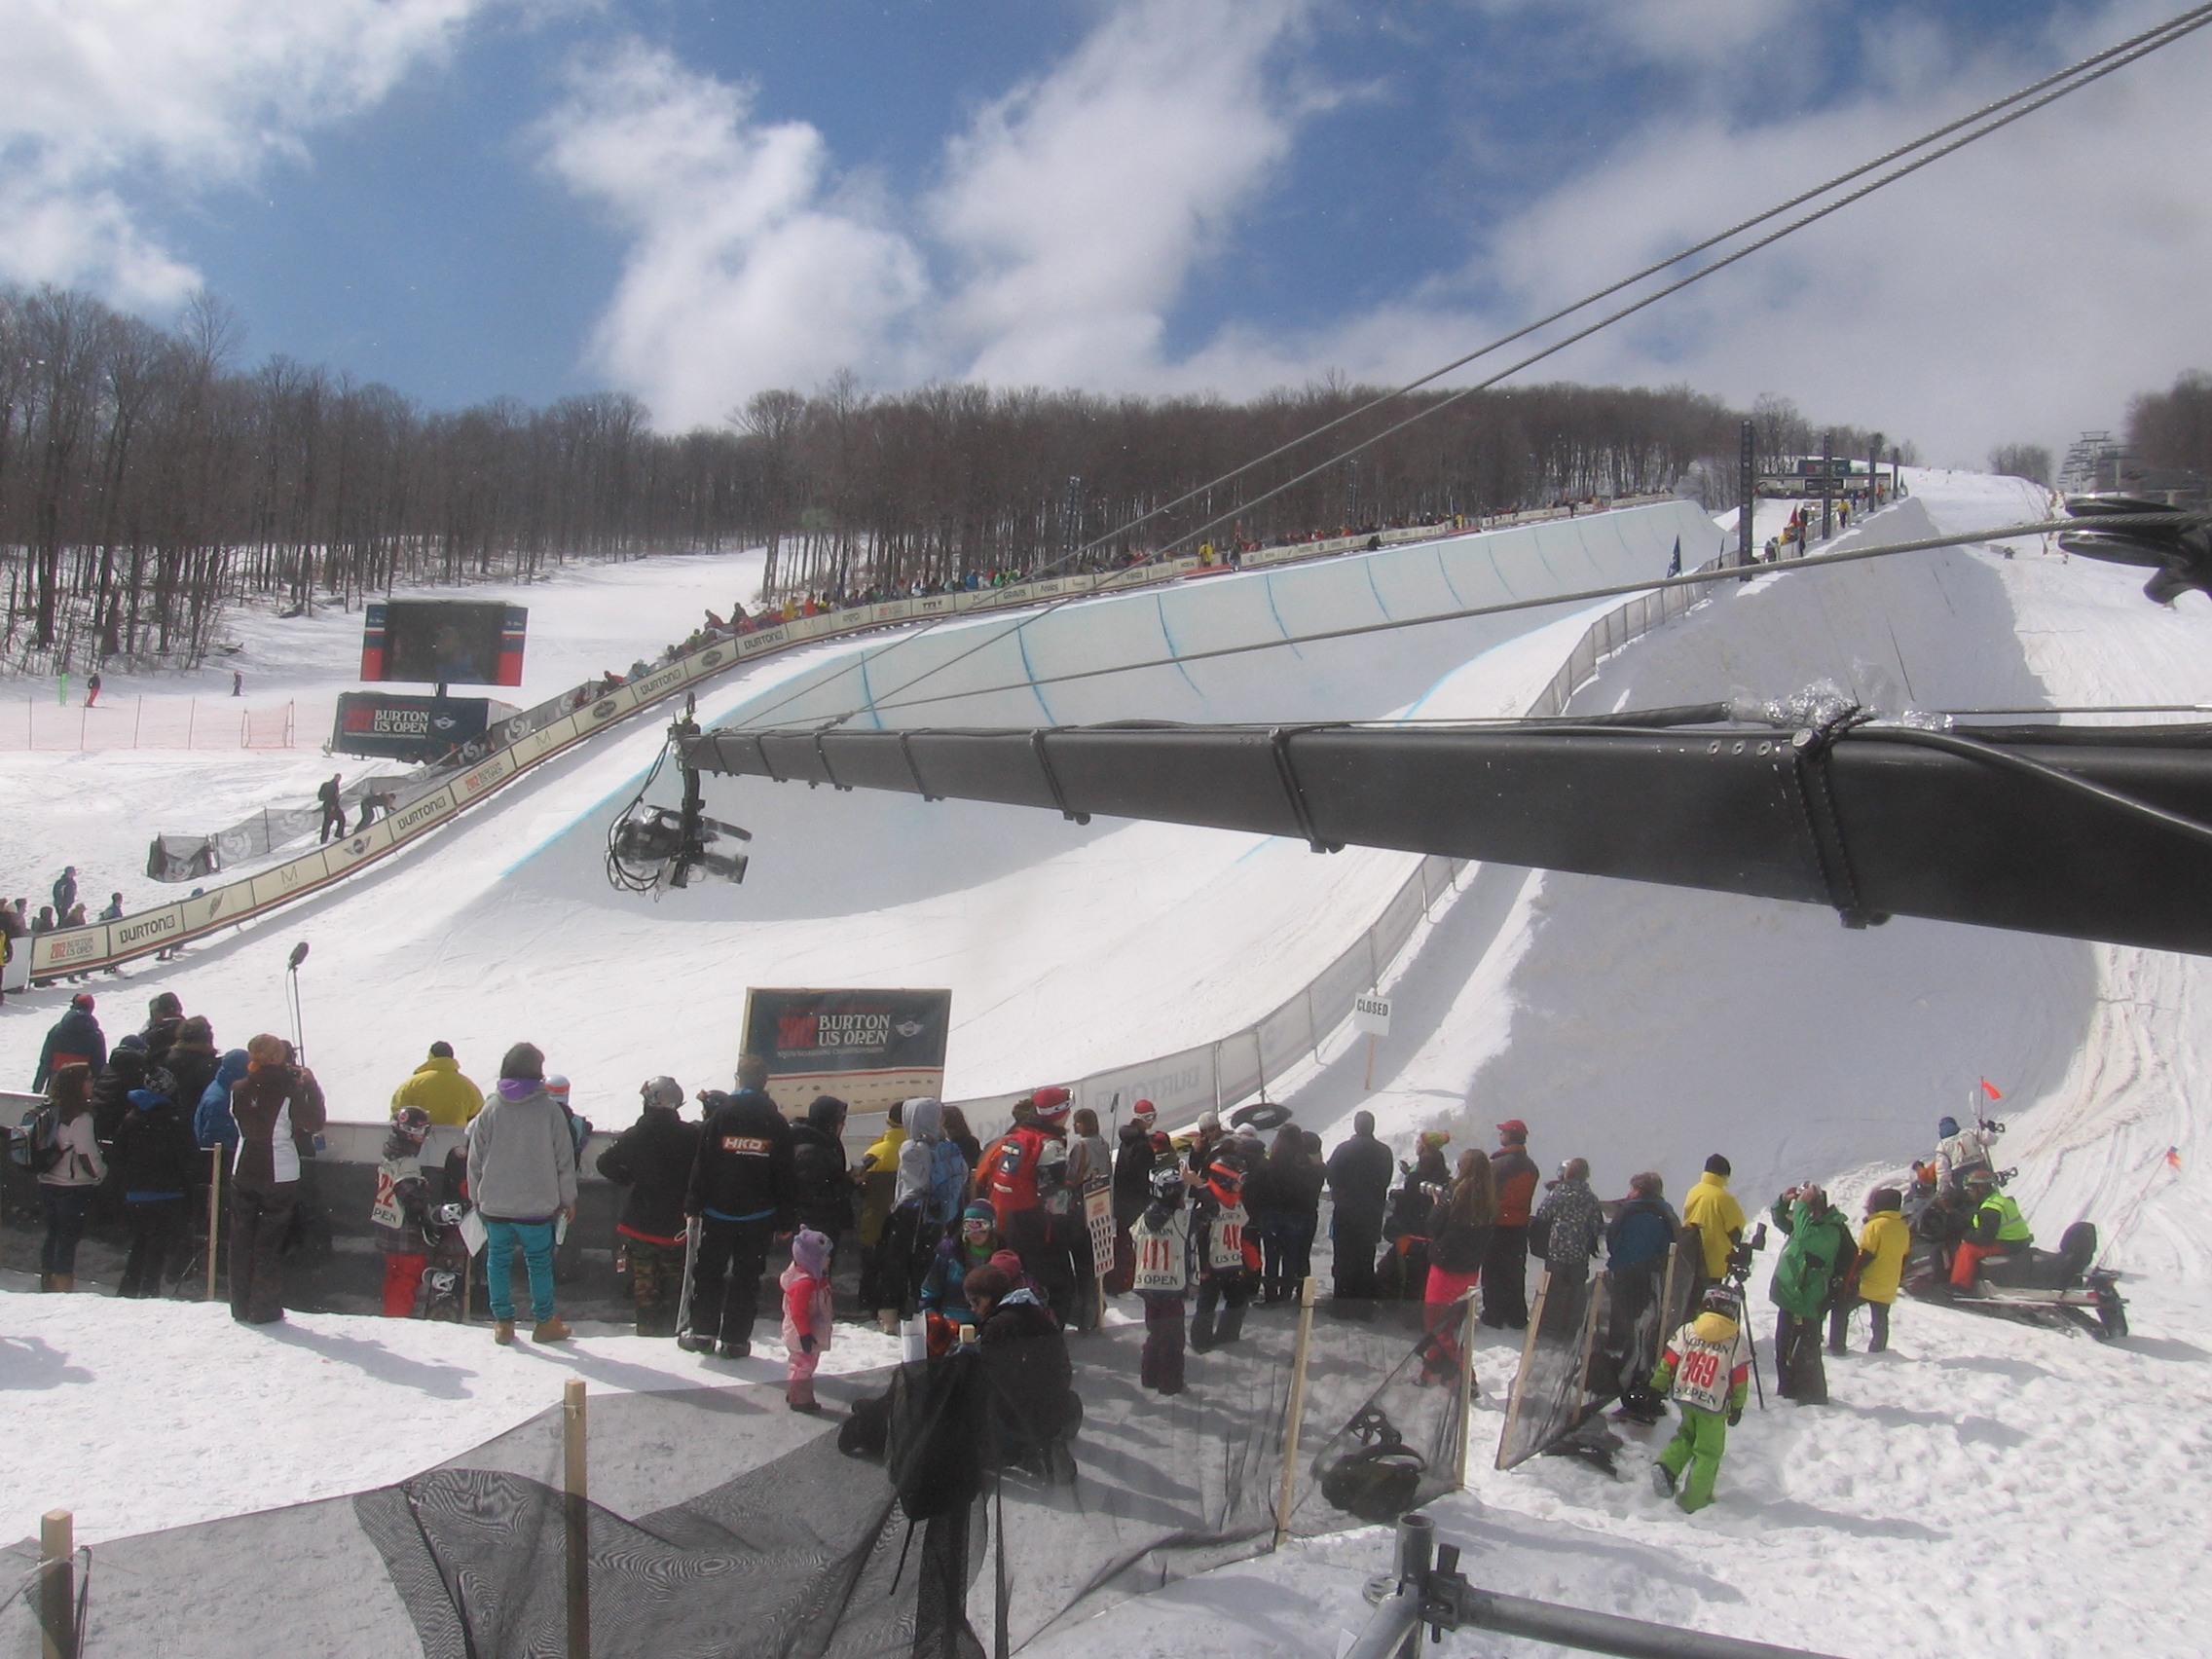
[{"x": 976, "y": 1227}]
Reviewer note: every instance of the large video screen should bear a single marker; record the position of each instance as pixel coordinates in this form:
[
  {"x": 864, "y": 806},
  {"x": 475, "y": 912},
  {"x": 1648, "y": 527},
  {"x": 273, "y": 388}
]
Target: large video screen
[{"x": 442, "y": 642}]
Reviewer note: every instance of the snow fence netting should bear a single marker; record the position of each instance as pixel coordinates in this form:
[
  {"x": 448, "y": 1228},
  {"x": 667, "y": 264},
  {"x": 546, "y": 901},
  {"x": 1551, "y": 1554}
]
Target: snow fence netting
[{"x": 721, "y": 1523}]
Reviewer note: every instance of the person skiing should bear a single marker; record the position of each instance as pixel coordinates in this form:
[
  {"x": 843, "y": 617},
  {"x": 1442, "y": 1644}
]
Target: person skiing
[
  {"x": 1359, "y": 1181},
  {"x": 1719, "y": 1218},
  {"x": 1705, "y": 1367},
  {"x": 1505, "y": 1261},
  {"x": 743, "y": 1192},
  {"x": 438, "y": 1087},
  {"x": 277, "y": 1108},
  {"x": 1875, "y": 1277},
  {"x": 1807, "y": 1278},
  {"x": 400, "y": 1208},
  {"x": 158, "y": 1166},
  {"x": 76, "y": 1037},
  {"x": 1163, "y": 1279},
  {"x": 653, "y": 1159},
  {"x": 808, "y": 1316},
  {"x": 1227, "y": 1255},
  {"x": 1571, "y": 1225},
  {"x": 1996, "y": 1229},
  {"x": 522, "y": 1178},
  {"x": 333, "y": 808}
]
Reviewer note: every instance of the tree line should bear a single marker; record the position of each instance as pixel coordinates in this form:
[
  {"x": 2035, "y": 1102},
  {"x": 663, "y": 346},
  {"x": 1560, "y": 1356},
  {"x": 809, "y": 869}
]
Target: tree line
[{"x": 147, "y": 479}]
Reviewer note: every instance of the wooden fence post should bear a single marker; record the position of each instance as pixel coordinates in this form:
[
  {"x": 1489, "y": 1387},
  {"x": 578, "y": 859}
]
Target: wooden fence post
[
  {"x": 58, "y": 1585},
  {"x": 215, "y": 1211},
  {"x": 577, "y": 1507},
  {"x": 1287, "y": 1500}
]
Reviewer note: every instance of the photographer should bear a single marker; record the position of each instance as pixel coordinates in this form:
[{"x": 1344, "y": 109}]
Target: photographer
[{"x": 1807, "y": 1280}]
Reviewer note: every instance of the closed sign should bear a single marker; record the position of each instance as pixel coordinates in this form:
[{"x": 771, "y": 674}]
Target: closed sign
[{"x": 1371, "y": 1015}]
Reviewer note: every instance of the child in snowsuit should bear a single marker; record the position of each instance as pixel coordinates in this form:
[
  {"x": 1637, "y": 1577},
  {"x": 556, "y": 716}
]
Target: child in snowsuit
[
  {"x": 402, "y": 1204},
  {"x": 944, "y": 1296},
  {"x": 1227, "y": 1254},
  {"x": 1706, "y": 1368},
  {"x": 807, "y": 1315},
  {"x": 1161, "y": 1237}
]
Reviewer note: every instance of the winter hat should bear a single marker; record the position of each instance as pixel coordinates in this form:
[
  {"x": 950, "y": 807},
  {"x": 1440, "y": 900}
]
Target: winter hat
[
  {"x": 826, "y": 1112},
  {"x": 146, "y": 1100},
  {"x": 133, "y": 1045},
  {"x": 83, "y": 1000},
  {"x": 986, "y": 1281},
  {"x": 1209, "y": 1120},
  {"x": 524, "y": 1060},
  {"x": 1007, "y": 1262},
  {"x": 663, "y": 1092},
  {"x": 1144, "y": 1109},
  {"x": 1884, "y": 1199},
  {"x": 1719, "y": 1165},
  {"x": 810, "y": 1252},
  {"x": 978, "y": 1211},
  {"x": 1437, "y": 1138},
  {"x": 1052, "y": 1107},
  {"x": 441, "y": 1051}
]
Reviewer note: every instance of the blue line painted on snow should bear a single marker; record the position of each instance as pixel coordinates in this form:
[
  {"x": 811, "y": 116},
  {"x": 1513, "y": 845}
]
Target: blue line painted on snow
[
  {"x": 1368, "y": 565},
  {"x": 1444, "y": 569},
  {"x": 1167, "y": 638},
  {"x": 1268, "y": 587},
  {"x": 1029, "y": 673}
]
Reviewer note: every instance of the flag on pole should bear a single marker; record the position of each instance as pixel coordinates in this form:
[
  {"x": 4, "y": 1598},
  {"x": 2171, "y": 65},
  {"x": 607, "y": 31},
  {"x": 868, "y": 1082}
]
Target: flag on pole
[
  {"x": 2173, "y": 1158},
  {"x": 1675, "y": 565},
  {"x": 1990, "y": 1088}
]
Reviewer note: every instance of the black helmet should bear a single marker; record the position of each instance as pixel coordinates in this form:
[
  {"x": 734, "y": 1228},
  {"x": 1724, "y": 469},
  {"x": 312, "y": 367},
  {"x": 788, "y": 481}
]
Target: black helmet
[
  {"x": 411, "y": 1121},
  {"x": 1724, "y": 1302}
]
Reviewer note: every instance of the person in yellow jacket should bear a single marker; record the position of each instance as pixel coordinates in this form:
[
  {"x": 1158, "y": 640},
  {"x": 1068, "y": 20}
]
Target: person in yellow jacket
[
  {"x": 439, "y": 1089},
  {"x": 1882, "y": 1246},
  {"x": 1719, "y": 1218},
  {"x": 879, "y": 1183}
]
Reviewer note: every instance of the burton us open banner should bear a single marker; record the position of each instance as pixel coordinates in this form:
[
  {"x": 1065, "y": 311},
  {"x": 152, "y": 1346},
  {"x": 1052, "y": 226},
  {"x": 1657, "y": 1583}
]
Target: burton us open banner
[{"x": 868, "y": 1049}]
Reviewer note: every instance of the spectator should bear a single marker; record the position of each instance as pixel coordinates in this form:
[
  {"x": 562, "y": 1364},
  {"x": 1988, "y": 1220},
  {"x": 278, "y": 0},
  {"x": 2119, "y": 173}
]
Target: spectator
[
  {"x": 159, "y": 1167},
  {"x": 944, "y": 1296},
  {"x": 1025, "y": 1359},
  {"x": 42, "y": 922},
  {"x": 1806, "y": 1277},
  {"x": 1505, "y": 1268},
  {"x": 1359, "y": 1180},
  {"x": 954, "y": 1124},
  {"x": 163, "y": 1014},
  {"x": 1570, "y": 1227},
  {"x": 1090, "y": 1169},
  {"x": 1427, "y": 1186},
  {"x": 653, "y": 1159},
  {"x": 1459, "y": 1245},
  {"x": 438, "y": 1087},
  {"x": 184, "y": 1073},
  {"x": 808, "y": 1316},
  {"x": 1162, "y": 1279},
  {"x": 1876, "y": 1274},
  {"x": 1132, "y": 1166},
  {"x": 1719, "y": 1218},
  {"x": 65, "y": 1187},
  {"x": 879, "y": 1185},
  {"x": 1226, "y": 1255},
  {"x": 822, "y": 1183},
  {"x": 211, "y": 1123},
  {"x": 522, "y": 1177},
  {"x": 333, "y": 808},
  {"x": 1295, "y": 1178},
  {"x": 65, "y": 890},
  {"x": 277, "y": 1108},
  {"x": 743, "y": 1192},
  {"x": 932, "y": 1183},
  {"x": 401, "y": 1208},
  {"x": 126, "y": 1070},
  {"x": 114, "y": 911},
  {"x": 75, "y": 1038},
  {"x": 1638, "y": 1241}
]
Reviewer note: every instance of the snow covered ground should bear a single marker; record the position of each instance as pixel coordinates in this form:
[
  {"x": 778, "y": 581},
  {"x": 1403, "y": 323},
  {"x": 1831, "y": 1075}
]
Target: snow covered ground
[{"x": 1986, "y": 1485}]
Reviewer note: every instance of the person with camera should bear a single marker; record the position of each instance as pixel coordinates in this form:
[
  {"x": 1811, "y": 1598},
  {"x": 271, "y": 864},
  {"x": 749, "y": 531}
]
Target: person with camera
[{"x": 1808, "y": 1278}]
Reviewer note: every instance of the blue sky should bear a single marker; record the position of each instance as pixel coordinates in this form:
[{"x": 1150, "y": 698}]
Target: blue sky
[{"x": 467, "y": 198}]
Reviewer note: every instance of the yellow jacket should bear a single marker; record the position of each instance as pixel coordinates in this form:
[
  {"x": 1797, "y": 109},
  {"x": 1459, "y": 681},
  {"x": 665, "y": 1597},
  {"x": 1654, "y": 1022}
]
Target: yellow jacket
[
  {"x": 1886, "y": 1239},
  {"x": 879, "y": 1184},
  {"x": 1714, "y": 1212},
  {"x": 439, "y": 1089}
]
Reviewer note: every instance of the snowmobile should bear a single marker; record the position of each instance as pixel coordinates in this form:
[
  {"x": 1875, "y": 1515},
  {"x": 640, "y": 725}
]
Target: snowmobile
[{"x": 2058, "y": 1288}]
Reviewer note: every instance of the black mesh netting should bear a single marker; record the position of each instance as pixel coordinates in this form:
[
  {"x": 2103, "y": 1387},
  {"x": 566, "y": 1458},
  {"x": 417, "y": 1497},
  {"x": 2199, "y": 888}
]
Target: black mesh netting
[{"x": 723, "y": 1524}]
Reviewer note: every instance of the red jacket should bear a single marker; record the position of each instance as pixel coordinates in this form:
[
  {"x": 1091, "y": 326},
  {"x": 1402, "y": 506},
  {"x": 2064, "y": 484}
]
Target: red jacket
[
  {"x": 1011, "y": 1169},
  {"x": 1513, "y": 1172}
]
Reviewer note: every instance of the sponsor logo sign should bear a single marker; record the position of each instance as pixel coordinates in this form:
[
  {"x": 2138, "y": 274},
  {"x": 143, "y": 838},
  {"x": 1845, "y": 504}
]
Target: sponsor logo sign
[{"x": 868, "y": 1047}]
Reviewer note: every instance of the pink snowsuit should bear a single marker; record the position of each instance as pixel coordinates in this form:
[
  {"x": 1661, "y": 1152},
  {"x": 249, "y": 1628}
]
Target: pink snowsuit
[{"x": 807, "y": 1313}]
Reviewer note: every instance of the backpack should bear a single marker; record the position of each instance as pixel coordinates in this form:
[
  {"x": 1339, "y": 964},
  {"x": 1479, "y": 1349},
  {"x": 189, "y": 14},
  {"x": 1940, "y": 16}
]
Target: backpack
[
  {"x": 36, "y": 1146},
  {"x": 948, "y": 1183}
]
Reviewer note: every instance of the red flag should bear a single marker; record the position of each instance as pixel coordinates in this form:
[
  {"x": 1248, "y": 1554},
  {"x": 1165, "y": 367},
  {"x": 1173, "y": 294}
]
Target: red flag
[
  {"x": 1990, "y": 1088},
  {"x": 2173, "y": 1158}
]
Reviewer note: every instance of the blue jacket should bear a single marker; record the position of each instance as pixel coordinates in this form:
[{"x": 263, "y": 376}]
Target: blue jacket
[
  {"x": 75, "y": 1035},
  {"x": 1643, "y": 1230},
  {"x": 212, "y": 1124}
]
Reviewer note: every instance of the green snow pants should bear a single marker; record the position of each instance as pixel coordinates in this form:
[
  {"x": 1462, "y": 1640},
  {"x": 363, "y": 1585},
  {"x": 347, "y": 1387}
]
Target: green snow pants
[{"x": 1698, "y": 1443}]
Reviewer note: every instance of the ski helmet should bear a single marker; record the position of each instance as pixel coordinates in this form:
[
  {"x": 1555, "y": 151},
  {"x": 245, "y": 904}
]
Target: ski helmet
[
  {"x": 556, "y": 1085},
  {"x": 1981, "y": 1181},
  {"x": 1724, "y": 1302},
  {"x": 663, "y": 1092},
  {"x": 1167, "y": 1183},
  {"x": 1946, "y": 1127},
  {"x": 412, "y": 1121}
]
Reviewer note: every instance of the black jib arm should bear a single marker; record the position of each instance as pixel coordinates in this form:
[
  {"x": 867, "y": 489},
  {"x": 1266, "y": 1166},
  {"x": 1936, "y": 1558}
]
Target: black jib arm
[{"x": 2091, "y": 832}]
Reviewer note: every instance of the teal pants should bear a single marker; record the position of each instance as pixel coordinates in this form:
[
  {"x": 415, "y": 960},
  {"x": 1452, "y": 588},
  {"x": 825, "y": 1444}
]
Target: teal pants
[
  {"x": 1698, "y": 1444},
  {"x": 535, "y": 1241}
]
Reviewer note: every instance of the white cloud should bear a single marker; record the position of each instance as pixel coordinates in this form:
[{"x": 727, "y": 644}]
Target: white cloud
[
  {"x": 748, "y": 268},
  {"x": 97, "y": 93},
  {"x": 1065, "y": 223}
]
